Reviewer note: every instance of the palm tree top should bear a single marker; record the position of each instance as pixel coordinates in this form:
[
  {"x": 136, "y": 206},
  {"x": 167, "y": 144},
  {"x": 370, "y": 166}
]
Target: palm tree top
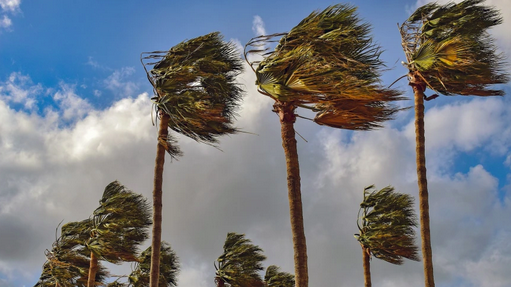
[
  {"x": 241, "y": 261},
  {"x": 449, "y": 49},
  {"x": 195, "y": 84},
  {"x": 387, "y": 225},
  {"x": 276, "y": 278},
  {"x": 329, "y": 64}
]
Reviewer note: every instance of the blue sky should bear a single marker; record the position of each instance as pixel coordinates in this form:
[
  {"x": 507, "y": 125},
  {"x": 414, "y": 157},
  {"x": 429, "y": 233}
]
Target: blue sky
[{"x": 75, "y": 115}]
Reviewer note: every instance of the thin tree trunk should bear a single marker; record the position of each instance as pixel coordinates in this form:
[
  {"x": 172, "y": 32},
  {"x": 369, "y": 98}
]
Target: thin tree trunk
[
  {"x": 93, "y": 269},
  {"x": 427, "y": 256},
  {"x": 367, "y": 267},
  {"x": 287, "y": 120},
  {"x": 157, "y": 200}
]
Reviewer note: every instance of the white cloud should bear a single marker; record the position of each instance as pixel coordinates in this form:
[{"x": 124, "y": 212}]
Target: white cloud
[
  {"x": 52, "y": 171},
  {"x": 258, "y": 26},
  {"x": 71, "y": 105},
  {"x": 5, "y": 22},
  {"x": 118, "y": 84},
  {"x": 10, "y": 5},
  {"x": 19, "y": 89}
]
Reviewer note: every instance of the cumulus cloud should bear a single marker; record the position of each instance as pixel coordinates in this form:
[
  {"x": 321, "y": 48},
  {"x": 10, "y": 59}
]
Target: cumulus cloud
[
  {"x": 52, "y": 172},
  {"x": 258, "y": 26},
  {"x": 19, "y": 89},
  {"x": 10, "y": 5},
  {"x": 117, "y": 82}
]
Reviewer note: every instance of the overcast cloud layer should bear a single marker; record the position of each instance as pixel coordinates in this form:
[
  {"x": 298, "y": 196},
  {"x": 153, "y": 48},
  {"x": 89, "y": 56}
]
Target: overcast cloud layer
[{"x": 55, "y": 164}]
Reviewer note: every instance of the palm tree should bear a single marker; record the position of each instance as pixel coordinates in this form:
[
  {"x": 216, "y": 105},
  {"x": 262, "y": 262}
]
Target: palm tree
[
  {"x": 117, "y": 227},
  {"x": 449, "y": 51},
  {"x": 276, "y": 278},
  {"x": 169, "y": 268},
  {"x": 386, "y": 228},
  {"x": 195, "y": 95},
  {"x": 327, "y": 64},
  {"x": 65, "y": 265},
  {"x": 240, "y": 263}
]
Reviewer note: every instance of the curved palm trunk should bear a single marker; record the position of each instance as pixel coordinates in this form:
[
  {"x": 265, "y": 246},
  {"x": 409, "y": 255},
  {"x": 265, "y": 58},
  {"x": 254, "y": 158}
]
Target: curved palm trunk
[
  {"x": 93, "y": 269},
  {"x": 157, "y": 200},
  {"x": 418, "y": 89},
  {"x": 287, "y": 120},
  {"x": 367, "y": 266}
]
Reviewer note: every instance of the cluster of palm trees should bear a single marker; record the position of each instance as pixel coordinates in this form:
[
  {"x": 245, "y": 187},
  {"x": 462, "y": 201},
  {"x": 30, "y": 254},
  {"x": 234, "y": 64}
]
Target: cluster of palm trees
[{"x": 328, "y": 65}]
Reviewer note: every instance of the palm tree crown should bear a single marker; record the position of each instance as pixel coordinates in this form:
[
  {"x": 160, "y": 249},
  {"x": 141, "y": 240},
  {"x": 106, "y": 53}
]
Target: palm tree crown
[
  {"x": 329, "y": 64},
  {"x": 119, "y": 225},
  {"x": 195, "y": 84},
  {"x": 387, "y": 225},
  {"x": 449, "y": 50},
  {"x": 169, "y": 268},
  {"x": 240, "y": 263},
  {"x": 276, "y": 278}
]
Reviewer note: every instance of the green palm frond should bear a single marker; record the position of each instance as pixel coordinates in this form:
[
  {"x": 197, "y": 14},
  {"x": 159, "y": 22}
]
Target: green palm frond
[
  {"x": 66, "y": 263},
  {"x": 276, "y": 278},
  {"x": 328, "y": 63},
  {"x": 240, "y": 263},
  {"x": 119, "y": 225},
  {"x": 195, "y": 84},
  {"x": 387, "y": 225},
  {"x": 450, "y": 50},
  {"x": 169, "y": 268}
]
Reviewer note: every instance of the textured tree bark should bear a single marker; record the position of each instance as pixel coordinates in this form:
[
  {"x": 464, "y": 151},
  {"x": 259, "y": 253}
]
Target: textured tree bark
[
  {"x": 93, "y": 269},
  {"x": 427, "y": 256},
  {"x": 287, "y": 120},
  {"x": 367, "y": 267},
  {"x": 157, "y": 201}
]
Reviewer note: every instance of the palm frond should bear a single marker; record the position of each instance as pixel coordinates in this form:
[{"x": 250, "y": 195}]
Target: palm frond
[
  {"x": 449, "y": 48},
  {"x": 240, "y": 263},
  {"x": 195, "y": 84},
  {"x": 328, "y": 63},
  {"x": 387, "y": 225}
]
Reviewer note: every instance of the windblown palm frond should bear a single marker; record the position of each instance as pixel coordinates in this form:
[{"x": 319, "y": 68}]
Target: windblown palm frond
[
  {"x": 240, "y": 263},
  {"x": 276, "y": 278},
  {"x": 195, "y": 84},
  {"x": 329, "y": 64},
  {"x": 387, "y": 225},
  {"x": 119, "y": 225},
  {"x": 169, "y": 268},
  {"x": 66, "y": 265},
  {"x": 450, "y": 50}
]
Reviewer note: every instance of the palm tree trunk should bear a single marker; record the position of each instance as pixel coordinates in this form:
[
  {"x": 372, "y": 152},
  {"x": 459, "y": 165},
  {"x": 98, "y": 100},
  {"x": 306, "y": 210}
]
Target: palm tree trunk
[
  {"x": 287, "y": 120},
  {"x": 367, "y": 267},
  {"x": 418, "y": 89},
  {"x": 157, "y": 200},
  {"x": 93, "y": 269}
]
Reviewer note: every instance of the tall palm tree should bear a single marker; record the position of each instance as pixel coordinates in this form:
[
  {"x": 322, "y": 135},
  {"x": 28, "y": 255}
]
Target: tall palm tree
[
  {"x": 117, "y": 227},
  {"x": 240, "y": 263},
  {"x": 169, "y": 268},
  {"x": 386, "y": 228},
  {"x": 195, "y": 95},
  {"x": 449, "y": 51},
  {"x": 276, "y": 278},
  {"x": 329, "y": 65}
]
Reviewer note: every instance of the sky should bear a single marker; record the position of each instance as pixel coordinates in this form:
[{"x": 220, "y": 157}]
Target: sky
[{"x": 75, "y": 115}]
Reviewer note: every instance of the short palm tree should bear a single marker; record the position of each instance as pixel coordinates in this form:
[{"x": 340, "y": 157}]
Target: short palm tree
[
  {"x": 386, "y": 228},
  {"x": 276, "y": 278},
  {"x": 65, "y": 265},
  {"x": 449, "y": 51},
  {"x": 169, "y": 268},
  {"x": 117, "y": 227},
  {"x": 328, "y": 65},
  {"x": 240, "y": 263},
  {"x": 195, "y": 95}
]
